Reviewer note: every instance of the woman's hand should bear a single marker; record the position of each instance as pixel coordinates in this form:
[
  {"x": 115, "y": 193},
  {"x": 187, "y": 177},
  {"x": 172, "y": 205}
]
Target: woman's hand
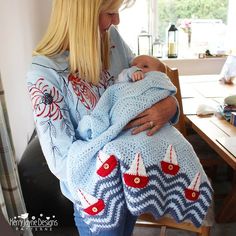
[{"x": 154, "y": 117}]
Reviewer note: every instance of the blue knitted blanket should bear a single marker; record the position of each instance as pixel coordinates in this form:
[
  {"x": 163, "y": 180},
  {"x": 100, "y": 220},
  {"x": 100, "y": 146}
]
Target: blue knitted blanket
[{"x": 114, "y": 169}]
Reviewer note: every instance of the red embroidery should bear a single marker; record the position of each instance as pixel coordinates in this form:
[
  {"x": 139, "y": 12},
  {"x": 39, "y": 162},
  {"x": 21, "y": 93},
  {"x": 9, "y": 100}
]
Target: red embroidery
[
  {"x": 45, "y": 100},
  {"x": 84, "y": 92}
]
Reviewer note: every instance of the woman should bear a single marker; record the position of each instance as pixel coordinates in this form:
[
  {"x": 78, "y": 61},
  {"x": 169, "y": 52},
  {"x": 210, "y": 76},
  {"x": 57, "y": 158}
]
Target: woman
[{"x": 77, "y": 59}]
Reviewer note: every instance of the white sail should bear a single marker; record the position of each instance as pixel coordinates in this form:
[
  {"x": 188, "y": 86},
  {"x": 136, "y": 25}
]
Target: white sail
[
  {"x": 86, "y": 199},
  {"x": 170, "y": 155},
  {"x": 137, "y": 167},
  {"x": 195, "y": 184},
  {"x": 102, "y": 157}
]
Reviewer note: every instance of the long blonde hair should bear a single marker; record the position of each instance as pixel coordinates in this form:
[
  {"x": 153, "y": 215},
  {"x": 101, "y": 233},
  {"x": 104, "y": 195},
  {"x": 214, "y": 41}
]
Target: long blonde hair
[{"x": 74, "y": 26}]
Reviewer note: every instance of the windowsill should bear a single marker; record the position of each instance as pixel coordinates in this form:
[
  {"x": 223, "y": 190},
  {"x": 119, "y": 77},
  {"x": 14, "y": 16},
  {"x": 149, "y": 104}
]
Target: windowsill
[
  {"x": 194, "y": 58},
  {"x": 196, "y": 66}
]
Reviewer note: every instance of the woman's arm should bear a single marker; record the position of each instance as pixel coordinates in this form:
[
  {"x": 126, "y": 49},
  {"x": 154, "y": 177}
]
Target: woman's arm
[
  {"x": 155, "y": 117},
  {"x": 51, "y": 115}
]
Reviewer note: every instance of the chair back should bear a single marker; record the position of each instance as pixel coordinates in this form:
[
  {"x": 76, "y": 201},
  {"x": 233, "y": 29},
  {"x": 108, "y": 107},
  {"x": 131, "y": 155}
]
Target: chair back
[{"x": 173, "y": 74}]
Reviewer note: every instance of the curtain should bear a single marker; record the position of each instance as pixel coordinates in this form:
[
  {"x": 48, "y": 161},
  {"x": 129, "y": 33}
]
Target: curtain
[{"x": 11, "y": 198}]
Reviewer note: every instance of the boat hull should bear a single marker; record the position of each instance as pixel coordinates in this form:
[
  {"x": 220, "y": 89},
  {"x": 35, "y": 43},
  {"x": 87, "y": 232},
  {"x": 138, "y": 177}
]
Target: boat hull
[
  {"x": 108, "y": 166},
  {"x": 191, "y": 194},
  {"x": 135, "y": 181},
  {"x": 169, "y": 168},
  {"x": 95, "y": 208}
]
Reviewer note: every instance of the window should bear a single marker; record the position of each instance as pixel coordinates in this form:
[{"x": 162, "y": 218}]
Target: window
[{"x": 202, "y": 24}]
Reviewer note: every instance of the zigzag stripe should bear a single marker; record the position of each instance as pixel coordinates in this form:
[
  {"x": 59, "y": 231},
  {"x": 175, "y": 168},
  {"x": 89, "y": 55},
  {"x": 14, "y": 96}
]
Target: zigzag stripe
[
  {"x": 171, "y": 207},
  {"x": 175, "y": 212},
  {"x": 171, "y": 182},
  {"x": 155, "y": 172},
  {"x": 102, "y": 187},
  {"x": 180, "y": 208},
  {"x": 198, "y": 210},
  {"x": 165, "y": 195},
  {"x": 205, "y": 188},
  {"x": 114, "y": 199},
  {"x": 107, "y": 216},
  {"x": 115, "y": 221},
  {"x": 162, "y": 204},
  {"x": 144, "y": 195}
]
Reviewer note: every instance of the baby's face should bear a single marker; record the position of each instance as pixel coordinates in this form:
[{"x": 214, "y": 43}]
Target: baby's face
[{"x": 146, "y": 63}]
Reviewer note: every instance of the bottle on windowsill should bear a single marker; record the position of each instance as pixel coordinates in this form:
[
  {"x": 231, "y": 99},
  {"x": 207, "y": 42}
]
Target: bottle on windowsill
[{"x": 172, "y": 42}]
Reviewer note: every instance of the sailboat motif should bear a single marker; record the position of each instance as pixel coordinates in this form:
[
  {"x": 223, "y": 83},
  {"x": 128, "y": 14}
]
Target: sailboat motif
[
  {"x": 192, "y": 192},
  {"x": 136, "y": 176},
  {"x": 105, "y": 163},
  {"x": 90, "y": 204},
  {"x": 169, "y": 165}
]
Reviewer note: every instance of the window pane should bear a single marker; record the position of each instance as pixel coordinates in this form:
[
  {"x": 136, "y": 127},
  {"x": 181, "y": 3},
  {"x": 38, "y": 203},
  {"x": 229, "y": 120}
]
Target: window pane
[
  {"x": 132, "y": 21},
  {"x": 201, "y": 24}
]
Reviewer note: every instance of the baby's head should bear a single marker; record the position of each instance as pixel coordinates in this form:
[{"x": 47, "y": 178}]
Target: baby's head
[{"x": 148, "y": 63}]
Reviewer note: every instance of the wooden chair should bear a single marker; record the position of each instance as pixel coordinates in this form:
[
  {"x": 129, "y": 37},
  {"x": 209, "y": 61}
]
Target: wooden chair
[
  {"x": 147, "y": 220},
  {"x": 173, "y": 74},
  {"x": 202, "y": 149}
]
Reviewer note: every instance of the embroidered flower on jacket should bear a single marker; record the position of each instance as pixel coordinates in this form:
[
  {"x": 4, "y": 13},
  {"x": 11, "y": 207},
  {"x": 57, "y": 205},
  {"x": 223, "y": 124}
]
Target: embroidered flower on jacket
[
  {"x": 45, "y": 100},
  {"x": 84, "y": 91}
]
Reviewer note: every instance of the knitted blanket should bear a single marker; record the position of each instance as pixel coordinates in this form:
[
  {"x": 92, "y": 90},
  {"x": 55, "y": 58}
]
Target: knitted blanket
[{"x": 114, "y": 169}]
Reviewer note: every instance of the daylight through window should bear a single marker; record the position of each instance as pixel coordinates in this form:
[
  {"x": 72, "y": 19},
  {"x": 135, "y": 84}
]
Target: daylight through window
[{"x": 202, "y": 25}]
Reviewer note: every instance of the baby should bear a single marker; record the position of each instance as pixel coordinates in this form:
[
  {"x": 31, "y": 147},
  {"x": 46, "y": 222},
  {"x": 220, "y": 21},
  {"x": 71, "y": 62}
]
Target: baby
[{"x": 139, "y": 67}]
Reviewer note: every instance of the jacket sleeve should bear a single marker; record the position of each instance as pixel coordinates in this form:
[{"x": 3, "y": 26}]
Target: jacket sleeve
[
  {"x": 51, "y": 115},
  {"x": 174, "y": 120}
]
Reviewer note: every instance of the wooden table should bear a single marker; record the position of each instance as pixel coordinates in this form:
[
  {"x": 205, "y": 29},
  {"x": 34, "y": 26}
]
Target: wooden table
[{"x": 216, "y": 132}]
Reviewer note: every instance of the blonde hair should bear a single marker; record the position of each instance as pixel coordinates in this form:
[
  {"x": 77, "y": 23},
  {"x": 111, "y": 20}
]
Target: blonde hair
[{"x": 74, "y": 26}]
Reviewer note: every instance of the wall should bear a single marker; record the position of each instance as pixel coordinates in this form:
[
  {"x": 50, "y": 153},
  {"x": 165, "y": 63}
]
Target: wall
[{"x": 22, "y": 23}]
